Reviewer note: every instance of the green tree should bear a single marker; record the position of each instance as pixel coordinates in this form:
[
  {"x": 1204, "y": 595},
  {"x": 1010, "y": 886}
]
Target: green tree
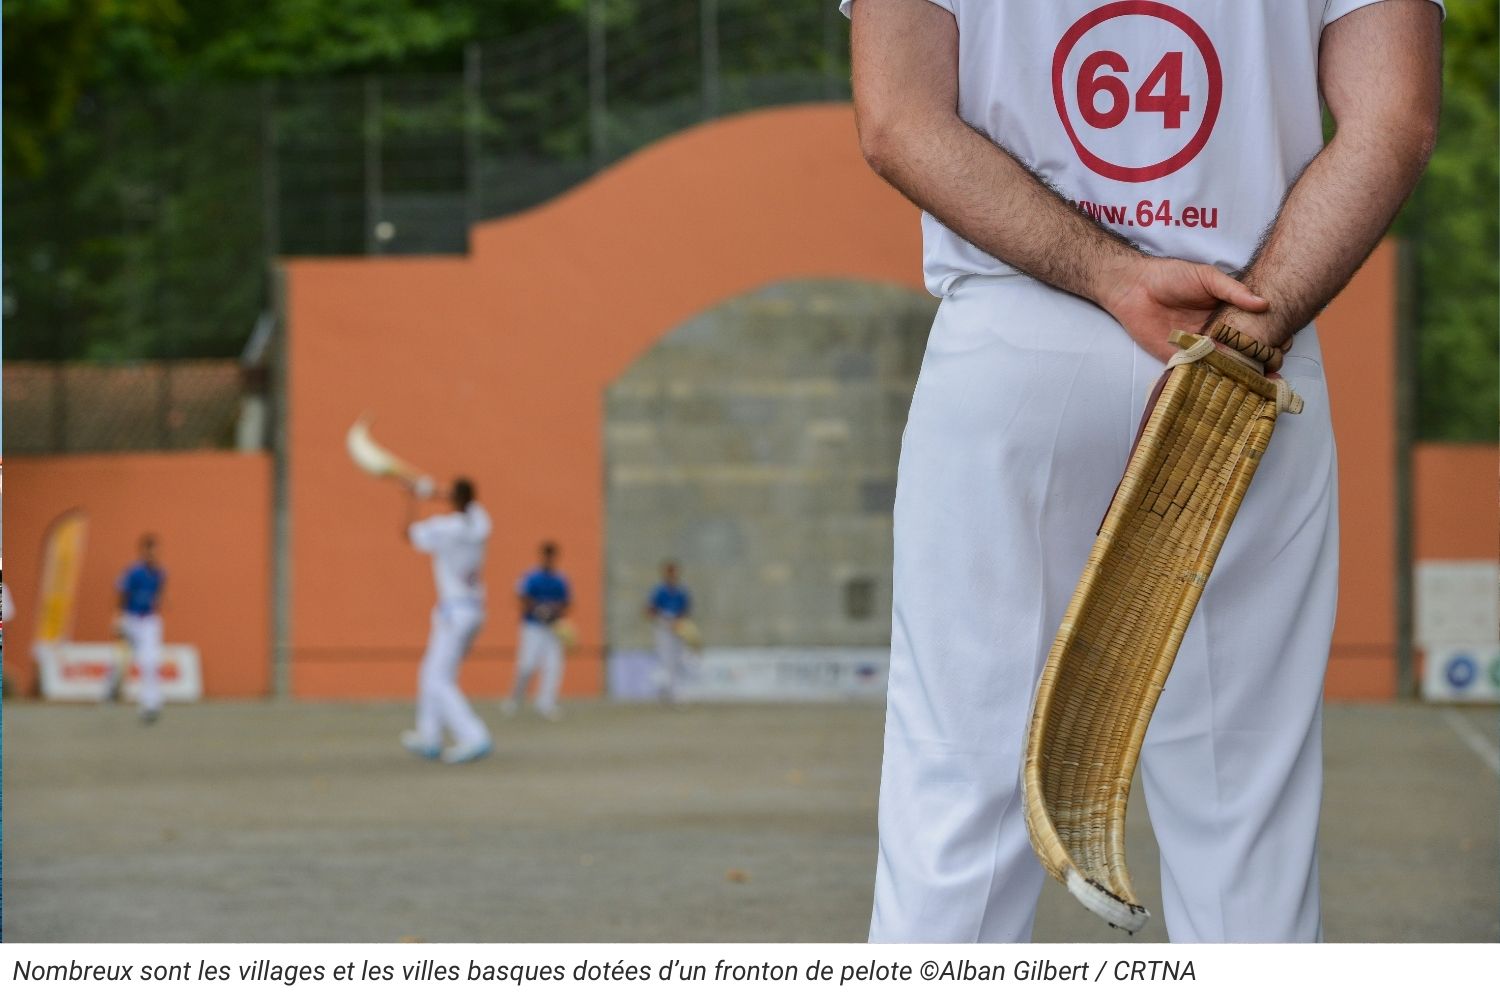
[
  {"x": 56, "y": 51},
  {"x": 1453, "y": 223}
]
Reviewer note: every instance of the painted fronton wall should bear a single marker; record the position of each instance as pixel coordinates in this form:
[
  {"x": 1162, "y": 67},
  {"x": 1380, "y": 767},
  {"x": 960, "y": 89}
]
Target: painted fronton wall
[{"x": 495, "y": 365}]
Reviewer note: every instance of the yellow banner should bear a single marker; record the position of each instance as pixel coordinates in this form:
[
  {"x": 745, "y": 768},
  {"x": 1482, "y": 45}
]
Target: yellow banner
[{"x": 62, "y": 564}]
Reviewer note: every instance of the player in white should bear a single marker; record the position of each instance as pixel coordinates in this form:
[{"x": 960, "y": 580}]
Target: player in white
[
  {"x": 141, "y": 588},
  {"x": 544, "y": 598},
  {"x": 1091, "y": 174},
  {"x": 669, "y": 609},
  {"x": 456, "y": 542}
]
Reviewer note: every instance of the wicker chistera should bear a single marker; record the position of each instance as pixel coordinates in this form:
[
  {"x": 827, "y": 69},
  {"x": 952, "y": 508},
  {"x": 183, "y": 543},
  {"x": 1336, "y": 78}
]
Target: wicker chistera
[{"x": 1202, "y": 440}]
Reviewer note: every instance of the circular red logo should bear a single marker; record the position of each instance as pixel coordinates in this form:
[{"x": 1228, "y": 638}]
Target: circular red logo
[{"x": 1160, "y": 93}]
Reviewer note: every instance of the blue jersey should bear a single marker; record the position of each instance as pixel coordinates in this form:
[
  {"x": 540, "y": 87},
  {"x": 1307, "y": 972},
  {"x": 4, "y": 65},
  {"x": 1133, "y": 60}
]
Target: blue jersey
[
  {"x": 141, "y": 586},
  {"x": 671, "y": 601},
  {"x": 550, "y": 590}
]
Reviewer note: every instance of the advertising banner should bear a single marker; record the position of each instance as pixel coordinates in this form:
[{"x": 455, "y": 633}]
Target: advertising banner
[
  {"x": 86, "y": 671},
  {"x": 62, "y": 562},
  {"x": 812, "y": 674}
]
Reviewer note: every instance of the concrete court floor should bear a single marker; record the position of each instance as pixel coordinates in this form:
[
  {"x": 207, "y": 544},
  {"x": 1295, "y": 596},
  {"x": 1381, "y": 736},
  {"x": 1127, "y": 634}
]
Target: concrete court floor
[{"x": 306, "y": 822}]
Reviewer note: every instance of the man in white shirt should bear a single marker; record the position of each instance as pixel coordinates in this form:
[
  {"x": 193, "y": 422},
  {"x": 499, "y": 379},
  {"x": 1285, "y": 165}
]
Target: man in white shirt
[
  {"x": 1089, "y": 172},
  {"x": 456, "y": 542}
]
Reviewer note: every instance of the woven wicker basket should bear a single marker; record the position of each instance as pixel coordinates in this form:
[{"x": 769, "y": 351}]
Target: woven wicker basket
[{"x": 1201, "y": 443}]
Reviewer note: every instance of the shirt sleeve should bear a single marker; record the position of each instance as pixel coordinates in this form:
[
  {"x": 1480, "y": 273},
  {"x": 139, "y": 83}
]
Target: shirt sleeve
[
  {"x": 429, "y": 534},
  {"x": 1338, "y": 8},
  {"x": 951, "y": 6},
  {"x": 123, "y": 583}
]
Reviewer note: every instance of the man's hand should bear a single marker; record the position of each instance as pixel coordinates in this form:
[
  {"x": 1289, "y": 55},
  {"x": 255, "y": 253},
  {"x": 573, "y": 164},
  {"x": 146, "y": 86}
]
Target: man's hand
[{"x": 1152, "y": 296}]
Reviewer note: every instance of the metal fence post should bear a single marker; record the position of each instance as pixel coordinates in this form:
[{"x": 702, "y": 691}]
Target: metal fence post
[
  {"x": 831, "y": 83},
  {"x": 1407, "y": 316},
  {"x": 281, "y": 504},
  {"x": 270, "y": 186},
  {"x": 163, "y": 405},
  {"x": 373, "y": 210},
  {"x": 473, "y": 114},
  {"x": 598, "y": 137},
  {"x": 59, "y": 407},
  {"x": 708, "y": 19}
]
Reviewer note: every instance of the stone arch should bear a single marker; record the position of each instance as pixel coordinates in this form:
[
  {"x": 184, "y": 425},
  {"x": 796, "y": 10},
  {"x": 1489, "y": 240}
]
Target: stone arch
[{"x": 756, "y": 446}]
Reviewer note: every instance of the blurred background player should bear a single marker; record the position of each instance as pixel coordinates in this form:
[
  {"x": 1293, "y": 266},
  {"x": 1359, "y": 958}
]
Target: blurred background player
[
  {"x": 669, "y": 609},
  {"x": 545, "y": 598},
  {"x": 140, "y": 588},
  {"x": 456, "y": 542}
]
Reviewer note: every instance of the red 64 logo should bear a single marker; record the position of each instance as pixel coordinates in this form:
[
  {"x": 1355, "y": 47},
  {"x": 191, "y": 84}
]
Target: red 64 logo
[{"x": 1138, "y": 86}]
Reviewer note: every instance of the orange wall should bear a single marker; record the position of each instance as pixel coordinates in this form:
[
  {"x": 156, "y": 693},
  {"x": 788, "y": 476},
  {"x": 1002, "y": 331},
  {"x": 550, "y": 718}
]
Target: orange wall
[
  {"x": 1454, "y": 501},
  {"x": 495, "y": 364},
  {"x": 211, "y": 512}
]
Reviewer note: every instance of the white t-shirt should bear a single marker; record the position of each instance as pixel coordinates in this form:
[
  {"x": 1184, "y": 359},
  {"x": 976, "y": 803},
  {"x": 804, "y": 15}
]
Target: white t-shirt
[
  {"x": 456, "y": 542},
  {"x": 1180, "y": 125}
]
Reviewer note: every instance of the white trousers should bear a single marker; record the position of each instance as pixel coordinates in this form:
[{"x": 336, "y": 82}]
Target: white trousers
[
  {"x": 441, "y": 706},
  {"x": 1020, "y": 428},
  {"x": 143, "y": 633},
  {"x": 540, "y": 649},
  {"x": 671, "y": 658}
]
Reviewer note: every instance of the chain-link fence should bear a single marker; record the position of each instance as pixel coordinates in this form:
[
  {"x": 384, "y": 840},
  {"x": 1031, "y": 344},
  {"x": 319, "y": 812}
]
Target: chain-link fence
[
  {"x": 149, "y": 233},
  {"x": 53, "y": 407}
]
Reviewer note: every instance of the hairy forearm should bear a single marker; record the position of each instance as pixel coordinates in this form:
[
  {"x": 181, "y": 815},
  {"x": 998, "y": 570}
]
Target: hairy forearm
[
  {"x": 984, "y": 194},
  {"x": 1380, "y": 69},
  {"x": 1329, "y": 223}
]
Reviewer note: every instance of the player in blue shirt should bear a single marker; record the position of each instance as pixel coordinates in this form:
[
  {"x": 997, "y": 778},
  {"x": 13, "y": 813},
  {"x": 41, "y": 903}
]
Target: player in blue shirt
[
  {"x": 545, "y": 598},
  {"x": 670, "y": 611},
  {"x": 140, "y": 588}
]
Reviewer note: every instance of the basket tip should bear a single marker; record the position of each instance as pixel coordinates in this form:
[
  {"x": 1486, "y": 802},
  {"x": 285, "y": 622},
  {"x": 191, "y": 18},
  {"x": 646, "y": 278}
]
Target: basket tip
[{"x": 1103, "y": 903}]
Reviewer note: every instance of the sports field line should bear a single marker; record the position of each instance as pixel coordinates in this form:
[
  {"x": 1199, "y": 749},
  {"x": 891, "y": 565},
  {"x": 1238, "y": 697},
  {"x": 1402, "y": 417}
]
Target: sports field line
[{"x": 1473, "y": 739}]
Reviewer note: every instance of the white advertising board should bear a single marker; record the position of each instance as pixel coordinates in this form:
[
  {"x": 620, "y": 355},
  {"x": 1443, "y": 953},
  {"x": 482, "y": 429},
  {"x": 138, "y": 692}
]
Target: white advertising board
[
  {"x": 1458, "y": 629},
  {"x": 83, "y": 671},
  {"x": 1458, "y": 601},
  {"x": 1462, "y": 673},
  {"x": 817, "y": 674}
]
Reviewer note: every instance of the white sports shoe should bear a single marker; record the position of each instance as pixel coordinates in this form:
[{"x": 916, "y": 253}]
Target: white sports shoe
[
  {"x": 466, "y": 752},
  {"x": 418, "y": 746},
  {"x": 508, "y": 707},
  {"x": 550, "y": 714}
]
